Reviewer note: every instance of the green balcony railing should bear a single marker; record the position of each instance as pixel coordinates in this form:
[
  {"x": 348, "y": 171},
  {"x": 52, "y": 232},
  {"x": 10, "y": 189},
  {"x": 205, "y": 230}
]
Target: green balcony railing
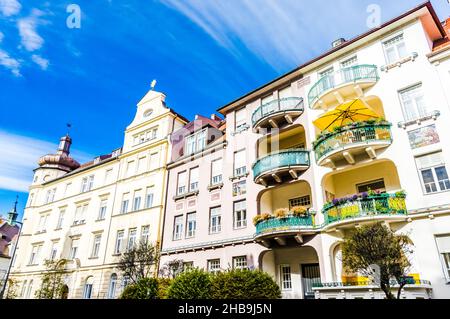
[
  {"x": 347, "y": 75},
  {"x": 289, "y": 223},
  {"x": 409, "y": 281},
  {"x": 281, "y": 159},
  {"x": 351, "y": 136},
  {"x": 281, "y": 105},
  {"x": 382, "y": 204}
]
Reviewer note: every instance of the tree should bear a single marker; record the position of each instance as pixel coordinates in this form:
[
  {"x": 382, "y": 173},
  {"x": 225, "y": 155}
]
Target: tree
[
  {"x": 146, "y": 288},
  {"x": 172, "y": 268},
  {"x": 191, "y": 284},
  {"x": 377, "y": 247},
  {"x": 52, "y": 280},
  {"x": 11, "y": 290},
  {"x": 244, "y": 284},
  {"x": 137, "y": 262}
]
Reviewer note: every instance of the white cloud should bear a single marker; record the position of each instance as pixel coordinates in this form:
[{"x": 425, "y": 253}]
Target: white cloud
[
  {"x": 10, "y": 63},
  {"x": 30, "y": 39},
  {"x": 10, "y": 7},
  {"x": 42, "y": 62},
  {"x": 19, "y": 157}
]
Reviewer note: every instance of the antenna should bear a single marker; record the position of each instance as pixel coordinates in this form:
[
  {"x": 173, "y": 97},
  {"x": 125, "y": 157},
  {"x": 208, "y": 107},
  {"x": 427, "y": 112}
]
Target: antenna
[{"x": 153, "y": 85}]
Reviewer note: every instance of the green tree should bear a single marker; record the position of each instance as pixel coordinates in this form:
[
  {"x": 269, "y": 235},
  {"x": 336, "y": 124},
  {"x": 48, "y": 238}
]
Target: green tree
[
  {"x": 146, "y": 288},
  {"x": 137, "y": 263},
  {"x": 52, "y": 283},
  {"x": 11, "y": 290},
  {"x": 244, "y": 284},
  {"x": 376, "y": 246},
  {"x": 192, "y": 284}
]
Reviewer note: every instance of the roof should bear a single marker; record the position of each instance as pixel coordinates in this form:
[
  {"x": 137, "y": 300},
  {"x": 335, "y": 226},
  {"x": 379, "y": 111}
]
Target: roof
[
  {"x": 444, "y": 42},
  {"x": 426, "y": 4}
]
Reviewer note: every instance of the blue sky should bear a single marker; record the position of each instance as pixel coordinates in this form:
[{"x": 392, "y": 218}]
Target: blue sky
[{"x": 204, "y": 53}]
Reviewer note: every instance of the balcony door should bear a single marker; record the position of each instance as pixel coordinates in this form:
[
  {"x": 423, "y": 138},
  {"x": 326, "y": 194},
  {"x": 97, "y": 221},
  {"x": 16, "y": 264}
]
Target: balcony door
[{"x": 310, "y": 276}]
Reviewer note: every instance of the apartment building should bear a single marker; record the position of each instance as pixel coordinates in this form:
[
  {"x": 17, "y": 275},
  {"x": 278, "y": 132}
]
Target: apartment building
[
  {"x": 354, "y": 136},
  {"x": 89, "y": 214}
]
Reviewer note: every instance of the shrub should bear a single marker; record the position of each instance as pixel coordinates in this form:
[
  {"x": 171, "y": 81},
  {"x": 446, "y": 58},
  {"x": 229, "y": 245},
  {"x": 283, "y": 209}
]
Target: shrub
[
  {"x": 163, "y": 287},
  {"x": 146, "y": 288},
  {"x": 299, "y": 211},
  {"x": 244, "y": 284},
  {"x": 191, "y": 284},
  {"x": 257, "y": 219},
  {"x": 266, "y": 216},
  {"x": 281, "y": 213}
]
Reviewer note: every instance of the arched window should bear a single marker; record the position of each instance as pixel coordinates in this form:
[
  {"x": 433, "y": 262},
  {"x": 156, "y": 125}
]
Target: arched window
[
  {"x": 87, "y": 294},
  {"x": 112, "y": 287},
  {"x": 22, "y": 291},
  {"x": 30, "y": 288}
]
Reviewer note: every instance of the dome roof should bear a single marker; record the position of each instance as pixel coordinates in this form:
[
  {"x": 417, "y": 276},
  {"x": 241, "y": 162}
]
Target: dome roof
[{"x": 61, "y": 159}]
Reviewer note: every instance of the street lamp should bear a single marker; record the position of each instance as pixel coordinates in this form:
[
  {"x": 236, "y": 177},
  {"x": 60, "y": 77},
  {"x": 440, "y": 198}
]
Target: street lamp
[{"x": 5, "y": 281}]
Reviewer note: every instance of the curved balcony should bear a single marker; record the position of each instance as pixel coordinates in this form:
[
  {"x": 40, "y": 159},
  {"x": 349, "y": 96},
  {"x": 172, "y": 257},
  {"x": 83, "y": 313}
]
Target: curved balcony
[
  {"x": 282, "y": 166},
  {"x": 350, "y": 142},
  {"x": 281, "y": 230},
  {"x": 365, "y": 207},
  {"x": 277, "y": 113},
  {"x": 342, "y": 85}
]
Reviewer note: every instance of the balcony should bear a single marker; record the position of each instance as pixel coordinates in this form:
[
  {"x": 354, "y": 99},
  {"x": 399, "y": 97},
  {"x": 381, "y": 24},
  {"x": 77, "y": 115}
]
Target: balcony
[
  {"x": 282, "y": 230},
  {"x": 280, "y": 167},
  {"x": 350, "y": 141},
  {"x": 277, "y": 113},
  {"x": 342, "y": 85},
  {"x": 365, "y": 207}
]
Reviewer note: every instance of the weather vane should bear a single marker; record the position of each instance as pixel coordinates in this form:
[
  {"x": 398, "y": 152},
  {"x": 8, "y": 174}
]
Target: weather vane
[{"x": 69, "y": 126}]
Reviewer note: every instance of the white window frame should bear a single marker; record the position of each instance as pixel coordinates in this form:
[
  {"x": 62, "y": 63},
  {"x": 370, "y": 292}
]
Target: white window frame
[
  {"x": 191, "y": 224},
  {"x": 213, "y": 265},
  {"x": 216, "y": 172},
  {"x": 215, "y": 220},
  {"x": 436, "y": 181},
  {"x": 132, "y": 237},
  {"x": 285, "y": 277},
  {"x": 196, "y": 142},
  {"x": 178, "y": 227},
  {"x": 194, "y": 176},
  {"x": 240, "y": 119},
  {"x": 149, "y": 197},
  {"x": 102, "y": 209},
  {"x": 388, "y": 43},
  {"x": 181, "y": 183},
  {"x": 413, "y": 93},
  {"x": 118, "y": 245},
  {"x": 240, "y": 262},
  {"x": 74, "y": 245},
  {"x": 240, "y": 168},
  {"x": 145, "y": 234},
  {"x": 239, "y": 223},
  {"x": 97, "y": 240}
]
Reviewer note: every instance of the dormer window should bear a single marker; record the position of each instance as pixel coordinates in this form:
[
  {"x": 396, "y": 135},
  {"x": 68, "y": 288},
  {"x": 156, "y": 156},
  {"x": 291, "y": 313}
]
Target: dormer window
[{"x": 196, "y": 142}]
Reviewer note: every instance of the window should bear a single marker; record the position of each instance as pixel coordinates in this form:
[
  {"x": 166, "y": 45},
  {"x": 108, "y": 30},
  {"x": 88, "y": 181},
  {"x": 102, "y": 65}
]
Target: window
[
  {"x": 395, "y": 49},
  {"x": 433, "y": 173},
  {"x": 30, "y": 288},
  {"x": 124, "y": 205},
  {"x": 149, "y": 197},
  {"x": 154, "y": 161},
  {"x": 214, "y": 265},
  {"x": 34, "y": 257},
  {"x": 413, "y": 103},
  {"x": 377, "y": 185},
  {"x": 130, "y": 169},
  {"x": 239, "y": 163},
  {"x": 102, "y": 210},
  {"x": 196, "y": 142},
  {"x": 42, "y": 226},
  {"x": 181, "y": 184},
  {"x": 96, "y": 245},
  {"x": 193, "y": 179},
  {"x": 137, "y": 201},
  {"x": 112, "y": 286},
  {"x": 215, "y": 220},
  {"x": 286, "y": 281},
  {"x": 443, "y": 244},
  {"x": 132, "y": 234},
  {"x": 300, "y": 201},
  {"x": 54, "y": 251},
  {"x": 191, "y": 225},
  {"x": 188, "y": 265},
  {"x": 241, "y": 119},
  {"x": 50, "y": 195},
  {"x": 240, "y": 214},
  {"x": 60, "y": 222},
  {"x": 30, "y": 200},
  {"x": 327, "y": 79},
  {"x": 145, "y": 234},
  {"x": 108, "y": 176},
  {"x": 239, "y": 188},
  {"x": 22, "y": 291},
  {"x": 178, "y": 227},
  {"x": 240, "y": 262},
  {"x": 80, "y": 213},
  {"x": 349, "y": 62},
  {"x": 142, "y": 164},
  {"x": 125, "y": 281},
  {"x": 87, "y": 293},
  {"x": 119, "y": 242},
  {"x": 87, "y": 183},
  {"x": 74, "y": 248},
  {"x": 67, "y": 189},
  {"x": 216, "y": 172}
]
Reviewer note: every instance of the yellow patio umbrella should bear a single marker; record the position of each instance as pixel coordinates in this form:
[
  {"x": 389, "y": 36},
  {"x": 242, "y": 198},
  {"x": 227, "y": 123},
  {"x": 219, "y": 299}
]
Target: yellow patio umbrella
[{"x": 347, "y": 113}]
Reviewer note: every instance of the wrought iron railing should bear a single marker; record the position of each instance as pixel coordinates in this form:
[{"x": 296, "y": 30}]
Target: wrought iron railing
[
  {"x": 281, "y": 159},
  {"x": 359, "y": 135},
  {"x": 342, "y": 76},
  {"x": 280, "y": 105},
  {"x": 288, "y": 223},
  {"x": 383, "y": 204}
]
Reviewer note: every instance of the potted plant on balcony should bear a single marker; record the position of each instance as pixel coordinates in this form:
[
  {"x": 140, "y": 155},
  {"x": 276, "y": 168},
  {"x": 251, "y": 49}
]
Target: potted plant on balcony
[
  {"x": 281, "y": 213},
  {"x": 299, "y": 211},
  {"x": 257, "y": 219}
]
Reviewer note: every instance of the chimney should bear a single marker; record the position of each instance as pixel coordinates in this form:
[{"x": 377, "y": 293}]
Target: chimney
[{"x": 337, "y": 42}]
